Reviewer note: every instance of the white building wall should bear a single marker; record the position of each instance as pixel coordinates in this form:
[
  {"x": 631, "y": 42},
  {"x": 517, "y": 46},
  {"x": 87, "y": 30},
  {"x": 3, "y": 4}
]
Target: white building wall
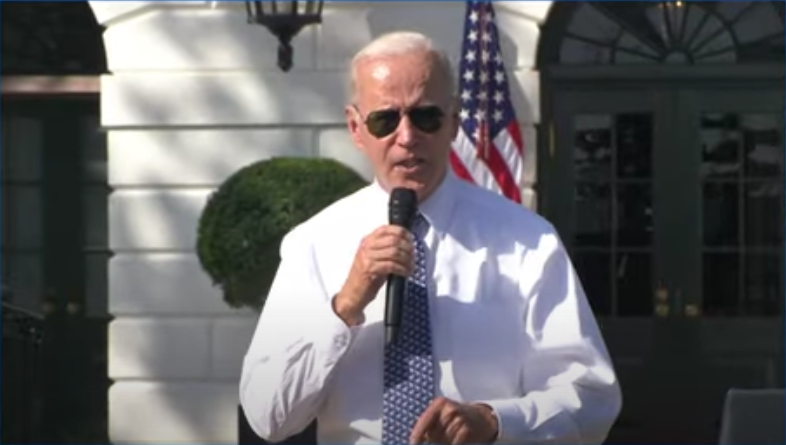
[{"x": 195, "y": 94}]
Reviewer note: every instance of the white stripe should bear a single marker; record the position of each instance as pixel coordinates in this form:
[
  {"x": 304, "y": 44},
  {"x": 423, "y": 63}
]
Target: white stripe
[
  {"x": 511, "y": 156},
  {"x": 466, "y": 152}
]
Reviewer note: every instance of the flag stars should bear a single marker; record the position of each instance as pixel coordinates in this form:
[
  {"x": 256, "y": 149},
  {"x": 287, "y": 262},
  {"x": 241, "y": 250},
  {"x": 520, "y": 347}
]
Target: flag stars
[
  {"x": 486, "y": 114},
  {"x": 483, "y": 91}
]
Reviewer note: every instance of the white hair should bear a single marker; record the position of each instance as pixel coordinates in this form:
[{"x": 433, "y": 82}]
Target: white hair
[{"x": 400, "y": 43}]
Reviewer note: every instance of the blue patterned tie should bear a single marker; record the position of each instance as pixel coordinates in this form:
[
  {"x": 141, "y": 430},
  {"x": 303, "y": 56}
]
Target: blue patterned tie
[{"x": 409, "y": 364}]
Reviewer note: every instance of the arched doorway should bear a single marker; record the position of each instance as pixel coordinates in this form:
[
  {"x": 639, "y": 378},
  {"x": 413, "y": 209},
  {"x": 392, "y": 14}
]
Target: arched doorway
[
  {"x": 54, "y": 221},
  {"x": 662, "y": 167}
]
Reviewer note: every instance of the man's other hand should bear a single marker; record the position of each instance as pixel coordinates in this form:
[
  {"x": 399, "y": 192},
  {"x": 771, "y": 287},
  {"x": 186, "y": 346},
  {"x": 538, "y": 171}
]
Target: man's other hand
[{"x": 448, "y": 422}]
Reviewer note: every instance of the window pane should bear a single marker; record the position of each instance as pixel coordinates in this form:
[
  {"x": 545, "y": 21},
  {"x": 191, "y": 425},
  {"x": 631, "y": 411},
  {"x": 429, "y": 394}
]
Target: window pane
[
  {"x": 593, "y": 215},
  {"x": 22, "y": 149},
  {"x": 611, "y": 151},
  {"x": 721, "y": 284},
  {"x": 634, "y": 284},
  {"x": 95, "y": 202},
  {"x": 721, "y": 214},
  {"x": 764, "y": 214},
  {"x": 634, "y": 215},
  {"x": 94, "y": 152},
  {"x": 594, "y": 271},
  {"x": 763, "y": 145},
  {"x": 764, "y": 285},
  {"x": 96, "y": 283},
  {"x": 628, "y": 33},
  {"x": 22, "y": 217},
  {"x": 720, "y": 145},
  {"x": 23, "y": 274},
  {"x": 758, "y": 22},
  {"x": 634, "y": 145},
  {"x": 593, "y": 149}
]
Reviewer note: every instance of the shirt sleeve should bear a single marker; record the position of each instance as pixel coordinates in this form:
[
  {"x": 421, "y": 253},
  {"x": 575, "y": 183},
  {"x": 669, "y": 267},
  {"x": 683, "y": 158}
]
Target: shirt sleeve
[
  {"x": 296, "y": 345},
  {"x": 571, "y": 393}
]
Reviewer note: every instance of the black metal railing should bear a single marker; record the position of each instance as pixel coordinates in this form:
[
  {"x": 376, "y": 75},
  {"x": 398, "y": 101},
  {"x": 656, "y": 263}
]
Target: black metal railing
[{"x": 22, "y": 366}]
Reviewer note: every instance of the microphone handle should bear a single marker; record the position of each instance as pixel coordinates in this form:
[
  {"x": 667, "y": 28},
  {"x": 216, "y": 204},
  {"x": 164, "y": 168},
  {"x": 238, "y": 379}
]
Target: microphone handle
[{"x": 393, "y": 307}]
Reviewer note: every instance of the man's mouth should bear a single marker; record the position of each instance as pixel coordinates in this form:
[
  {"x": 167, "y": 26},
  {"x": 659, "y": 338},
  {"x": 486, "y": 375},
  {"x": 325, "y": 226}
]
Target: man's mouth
[{"x": 410, "y": 163}]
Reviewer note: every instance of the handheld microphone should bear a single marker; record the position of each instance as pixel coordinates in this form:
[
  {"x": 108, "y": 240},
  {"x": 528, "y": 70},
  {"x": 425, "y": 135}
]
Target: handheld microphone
[{"x": 402, "y": 208}]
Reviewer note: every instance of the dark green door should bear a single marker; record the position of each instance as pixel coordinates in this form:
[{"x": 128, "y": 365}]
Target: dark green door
[
  {"x": 54, "y": 255},
  {"x": 728, "y": 280},
  {"x": 686, "y": 315}
]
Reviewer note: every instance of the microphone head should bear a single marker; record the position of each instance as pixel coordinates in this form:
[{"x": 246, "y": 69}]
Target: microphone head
[{"x": 402, "y": 207}]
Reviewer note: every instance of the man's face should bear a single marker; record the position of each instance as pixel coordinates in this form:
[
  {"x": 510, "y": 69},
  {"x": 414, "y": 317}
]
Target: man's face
[{"x": 411, "y": 117}]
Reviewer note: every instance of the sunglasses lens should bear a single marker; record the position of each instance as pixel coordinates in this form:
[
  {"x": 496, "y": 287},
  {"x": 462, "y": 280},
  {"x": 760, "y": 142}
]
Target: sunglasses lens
[
  {"x": 381, "y": 123},
  {"x": 427, "y": 119}
]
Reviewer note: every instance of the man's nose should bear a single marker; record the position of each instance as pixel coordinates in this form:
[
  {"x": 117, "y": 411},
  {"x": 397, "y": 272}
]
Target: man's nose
[{"x": 406, "y": 132}]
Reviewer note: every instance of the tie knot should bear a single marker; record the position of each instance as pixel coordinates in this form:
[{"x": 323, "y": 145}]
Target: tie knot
[{"x": 419, "y": 225}]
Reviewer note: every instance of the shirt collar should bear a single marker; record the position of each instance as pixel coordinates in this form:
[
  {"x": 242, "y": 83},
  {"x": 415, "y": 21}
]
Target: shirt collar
[{"x": 438, "y": 208}]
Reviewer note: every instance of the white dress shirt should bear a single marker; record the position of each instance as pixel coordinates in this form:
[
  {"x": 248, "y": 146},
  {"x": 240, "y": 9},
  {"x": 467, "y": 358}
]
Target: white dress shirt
[{"x": 511, "y": 326}]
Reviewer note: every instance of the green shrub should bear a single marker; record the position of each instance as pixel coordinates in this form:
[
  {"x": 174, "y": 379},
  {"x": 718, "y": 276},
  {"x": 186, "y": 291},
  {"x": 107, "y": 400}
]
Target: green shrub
[{"x": 242, "y": 225}]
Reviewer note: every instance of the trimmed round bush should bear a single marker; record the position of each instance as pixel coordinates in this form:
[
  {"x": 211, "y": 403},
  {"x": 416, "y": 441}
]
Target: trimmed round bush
[{"x": 244, "y": 221}]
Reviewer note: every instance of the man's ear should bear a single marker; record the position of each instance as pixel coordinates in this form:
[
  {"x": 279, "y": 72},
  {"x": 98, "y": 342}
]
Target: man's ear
[{"x": 353, "y": 125}]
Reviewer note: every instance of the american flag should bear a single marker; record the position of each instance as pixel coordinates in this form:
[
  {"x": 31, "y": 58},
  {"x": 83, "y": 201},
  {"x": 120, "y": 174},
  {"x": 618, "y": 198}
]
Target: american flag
[{"x": 488, "y": 150}]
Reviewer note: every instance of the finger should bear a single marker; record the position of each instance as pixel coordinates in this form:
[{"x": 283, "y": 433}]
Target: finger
[
  {"x": 425, "y": 423},
  {"x": 390, "y": 230},
  {"x": 387, "y": 240},
  {"x": 388, "y": 267},
  {"x": 452, "y": 426},
  {"x": 390, "y": 252},
  {"x": 378, "y": 236},
  {"x": 460, "y": 435},
  {"x": 436, "y": 435},
  {"x": 438, "y": 432},
  {"x": 448, "y": 415},
  {"x": 396, "y": 254}
]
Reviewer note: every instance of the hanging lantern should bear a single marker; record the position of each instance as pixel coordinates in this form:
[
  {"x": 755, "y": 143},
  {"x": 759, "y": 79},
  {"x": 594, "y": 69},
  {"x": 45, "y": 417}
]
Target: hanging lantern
[{"x": 284, "y": 19}]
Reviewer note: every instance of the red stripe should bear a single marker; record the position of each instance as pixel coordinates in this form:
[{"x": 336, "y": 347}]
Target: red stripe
[
  {"x": 515, "y": 134},
  {"x": 485, "y": 149},
  {"x": 459, "y": 168},
  {"x": 500, "y": 171}
]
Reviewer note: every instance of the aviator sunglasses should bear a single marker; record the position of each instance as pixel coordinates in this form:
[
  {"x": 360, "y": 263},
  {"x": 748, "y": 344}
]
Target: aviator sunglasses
[{"x": 381, "y": 123}]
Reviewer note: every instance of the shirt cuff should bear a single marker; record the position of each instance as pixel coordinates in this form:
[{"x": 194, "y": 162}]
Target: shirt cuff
[
  {"x": 331, "y": 334},
  {"x": 511, "y": 420}
]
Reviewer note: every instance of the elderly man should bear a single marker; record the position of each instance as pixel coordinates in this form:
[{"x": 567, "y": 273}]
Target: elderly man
[{"x": 499, "y": 343}]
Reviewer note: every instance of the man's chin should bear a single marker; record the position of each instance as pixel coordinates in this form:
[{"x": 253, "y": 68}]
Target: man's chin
[
  {"x": 411, "y": 183},
  {"x": 420, "y": 182}
]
